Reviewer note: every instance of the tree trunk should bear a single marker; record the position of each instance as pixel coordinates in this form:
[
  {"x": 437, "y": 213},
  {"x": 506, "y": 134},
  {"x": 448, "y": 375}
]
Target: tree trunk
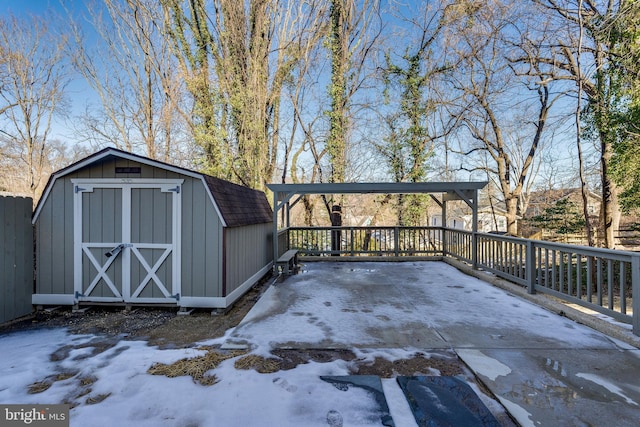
[
  {"x": 610, "y": 210},
  {"x": 338, "y": 37},
  {"x": 511, "y": 216}
]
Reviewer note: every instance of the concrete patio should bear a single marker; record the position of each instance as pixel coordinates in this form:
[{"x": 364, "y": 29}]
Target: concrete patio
[{"x": 545, "y": 369}]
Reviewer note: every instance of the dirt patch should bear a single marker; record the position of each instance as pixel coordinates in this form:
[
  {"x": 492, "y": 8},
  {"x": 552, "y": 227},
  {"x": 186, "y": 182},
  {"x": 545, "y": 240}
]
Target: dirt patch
[
  {"x": 195, "y": 367},
  {"x": 419, "y": 364},
  {"x": 445, "y": 363},
  {"x": 39, "y": 387},
  {"x": 285, "y": 359},
  {"x": 289, "y": 359},
  {"x": 162, "y": 327}
]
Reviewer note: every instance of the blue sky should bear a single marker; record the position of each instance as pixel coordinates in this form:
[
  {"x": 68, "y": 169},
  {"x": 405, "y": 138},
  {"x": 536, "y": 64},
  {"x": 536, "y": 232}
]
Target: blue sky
[
  {"x": 77, "y": 89},
  {"x": 27, "y": 6},
  {"x": 79, "y": 94}
]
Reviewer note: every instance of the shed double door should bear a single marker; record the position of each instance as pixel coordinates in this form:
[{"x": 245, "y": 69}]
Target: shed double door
[{"x": 127, "y": 240}]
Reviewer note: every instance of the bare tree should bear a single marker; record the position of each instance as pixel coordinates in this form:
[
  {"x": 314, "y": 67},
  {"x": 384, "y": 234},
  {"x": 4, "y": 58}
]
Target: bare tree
[
  {"x": 353, "y": 31},
  {"x": 135, "y": 77},
  {"x": 584, "y": 190},
  {"x": 341, "y": 17},
  {"x": 493, "y": 91},
  {"x": 236, "y": 57},
  {"x": 583, "y": 52},
  {"x": 34, "y": 77},
  {"x": 303, "y": 150},
  {"x": 412, "y": 78}
]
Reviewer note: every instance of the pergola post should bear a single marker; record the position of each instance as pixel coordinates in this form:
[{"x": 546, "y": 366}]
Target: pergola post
[
  {"x": 275, "y": 231},
  {"x": 474, "y": 235},
  {"x": 445, "y": 247}
]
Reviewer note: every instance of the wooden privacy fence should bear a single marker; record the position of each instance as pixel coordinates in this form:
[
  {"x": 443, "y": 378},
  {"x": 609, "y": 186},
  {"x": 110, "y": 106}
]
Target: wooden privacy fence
[{"x": 16, "y": 257}]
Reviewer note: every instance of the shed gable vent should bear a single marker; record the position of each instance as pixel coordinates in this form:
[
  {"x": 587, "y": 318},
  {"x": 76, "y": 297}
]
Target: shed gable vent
[{"x": 130, "y": 169}]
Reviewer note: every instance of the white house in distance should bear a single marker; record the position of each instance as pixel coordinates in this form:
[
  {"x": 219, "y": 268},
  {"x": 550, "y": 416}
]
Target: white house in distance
[{"x": 491, "y": 219}]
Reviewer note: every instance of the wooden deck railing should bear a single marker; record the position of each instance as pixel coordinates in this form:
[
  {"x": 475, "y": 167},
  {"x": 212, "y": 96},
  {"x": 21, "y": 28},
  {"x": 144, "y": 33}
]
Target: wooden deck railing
[
  {"x": 606, "y": 281},
  {"x": 366, "y": 241}
]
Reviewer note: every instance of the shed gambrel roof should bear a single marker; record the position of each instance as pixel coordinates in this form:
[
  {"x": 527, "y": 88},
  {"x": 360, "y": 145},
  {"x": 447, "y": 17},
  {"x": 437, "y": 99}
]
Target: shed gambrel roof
[
  {"x": 239, "y": 205},
  {"x": 236, "y": 204}
]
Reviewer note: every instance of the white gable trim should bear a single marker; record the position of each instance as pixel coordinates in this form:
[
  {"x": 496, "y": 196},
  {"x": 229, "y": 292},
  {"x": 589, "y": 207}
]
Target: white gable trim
[
  {"x": 123, "y": 155},
  {"x": 135, "y": 158},
  {"x": 213, "y": 201}
]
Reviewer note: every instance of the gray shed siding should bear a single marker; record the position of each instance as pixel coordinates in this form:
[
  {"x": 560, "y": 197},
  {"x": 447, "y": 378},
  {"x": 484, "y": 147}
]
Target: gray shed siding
[
  {"x": 202, "y": 233},
  {"x": 247, "y": 251},
  {"x": 54, "y": 241}
]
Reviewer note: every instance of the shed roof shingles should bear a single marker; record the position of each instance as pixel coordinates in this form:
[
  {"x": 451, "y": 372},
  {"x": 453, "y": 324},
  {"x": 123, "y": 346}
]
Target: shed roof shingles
[{"x": 239, "y": 205}]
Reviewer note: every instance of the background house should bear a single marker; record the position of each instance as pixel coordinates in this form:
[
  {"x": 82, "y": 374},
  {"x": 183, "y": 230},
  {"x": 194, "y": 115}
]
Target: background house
[
  {"x": 491, "y": 219},
  {"x": 569, "y": 204}
]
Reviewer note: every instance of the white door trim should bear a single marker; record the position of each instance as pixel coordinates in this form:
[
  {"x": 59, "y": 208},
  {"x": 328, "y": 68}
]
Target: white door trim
[{"x": 87, "y": 185}]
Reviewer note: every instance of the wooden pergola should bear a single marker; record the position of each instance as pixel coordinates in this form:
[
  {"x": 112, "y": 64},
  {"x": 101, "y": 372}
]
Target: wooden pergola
[{"x": 285, "y": 196}]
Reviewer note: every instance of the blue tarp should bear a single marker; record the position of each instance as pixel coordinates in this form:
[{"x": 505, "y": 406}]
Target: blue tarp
[
  {"x": 445, "y": 401},
  {"x": 370, "y": 383}
]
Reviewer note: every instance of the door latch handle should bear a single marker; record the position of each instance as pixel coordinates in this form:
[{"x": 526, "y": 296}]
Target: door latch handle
[{"x": 115, "y": 251}]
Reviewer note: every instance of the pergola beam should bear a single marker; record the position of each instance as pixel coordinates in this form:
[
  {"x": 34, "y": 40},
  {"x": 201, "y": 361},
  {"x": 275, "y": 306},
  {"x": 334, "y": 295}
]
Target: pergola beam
[{"x": 288, "y": 190}]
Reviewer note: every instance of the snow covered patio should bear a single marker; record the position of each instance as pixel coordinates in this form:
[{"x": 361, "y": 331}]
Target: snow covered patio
[{"x": 544, "y": 368}]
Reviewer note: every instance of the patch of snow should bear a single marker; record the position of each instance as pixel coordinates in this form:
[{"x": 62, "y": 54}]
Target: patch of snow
[
  {"x": 493, "y": 405},
  {"x": 398, "y": 405},
  {"x": 518, "y": 412},
  {"x": 430, "y": 295},
  {"x": 390, "y": 354},
  {"x": 483, "y": 364},
  {"x": 608, "y": 385},
  {"x": 319, "y": 304},
  {"x": 601, "y": 316},
  {"x": 241, "y": 397}
]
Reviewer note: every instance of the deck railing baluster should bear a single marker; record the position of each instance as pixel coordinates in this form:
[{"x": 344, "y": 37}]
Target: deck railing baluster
[
  {"x": 610, "y": 284},
  {"x": 625, "y": 285}
]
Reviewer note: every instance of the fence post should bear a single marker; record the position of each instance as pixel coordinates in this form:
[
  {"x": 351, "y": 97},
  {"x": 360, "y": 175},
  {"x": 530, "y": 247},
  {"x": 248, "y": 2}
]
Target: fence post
[
  {"x": 635, "y": 293},
  {"x": 336, "y": 230},
  {"x": 16, "y": 257},
  {"x": 530, "y": 267}
]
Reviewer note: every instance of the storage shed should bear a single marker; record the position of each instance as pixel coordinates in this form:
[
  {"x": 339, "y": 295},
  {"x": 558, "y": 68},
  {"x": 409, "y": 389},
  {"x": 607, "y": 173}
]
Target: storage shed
[{"x": 119, "y": 228}]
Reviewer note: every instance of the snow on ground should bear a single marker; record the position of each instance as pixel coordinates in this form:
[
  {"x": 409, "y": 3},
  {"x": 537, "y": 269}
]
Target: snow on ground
[
  {"x": 357, "y": 302},
  {"x": 604, "y": 317},
  {"x": 241, "y": 397},
  {"x": 111, "y": 386}
]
